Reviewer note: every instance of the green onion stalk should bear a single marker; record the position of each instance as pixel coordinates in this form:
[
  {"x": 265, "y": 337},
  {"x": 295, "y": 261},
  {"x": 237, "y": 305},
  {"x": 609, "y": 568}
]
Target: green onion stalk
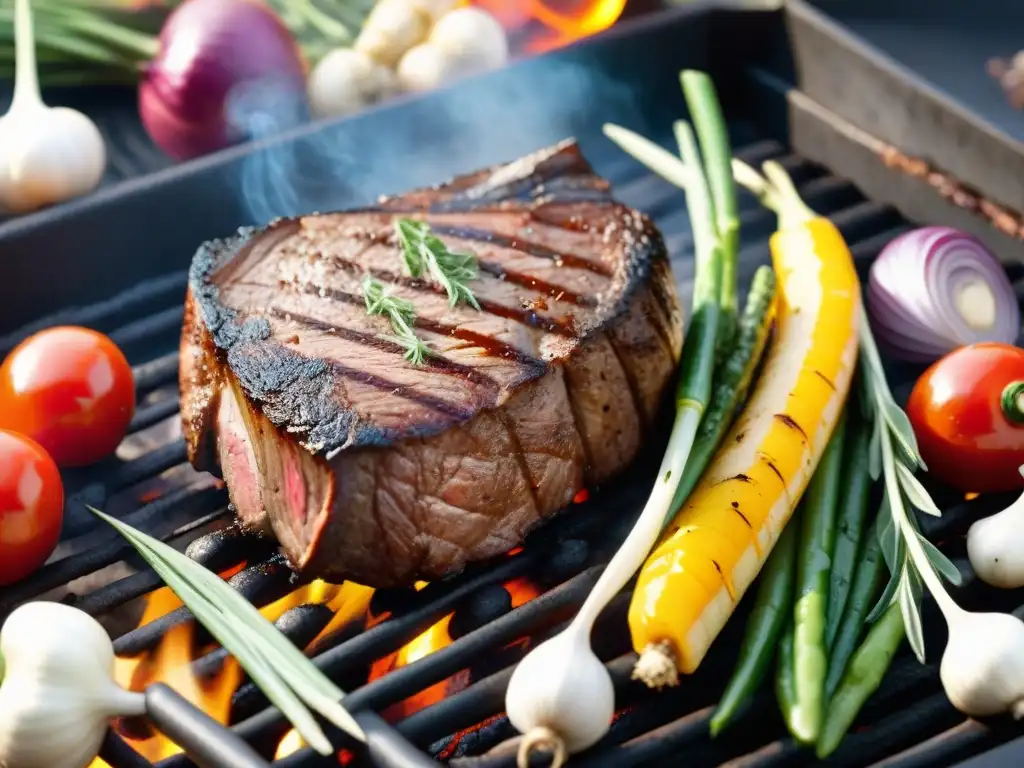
[
  {"x": 109, "y": 42},
  {"x": 565, "y": 668},
  {"x": 717, "y": 151}
]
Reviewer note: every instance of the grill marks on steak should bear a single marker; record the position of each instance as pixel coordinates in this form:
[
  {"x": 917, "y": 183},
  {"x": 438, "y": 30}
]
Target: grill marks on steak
[{"x": 367, "y": 467}]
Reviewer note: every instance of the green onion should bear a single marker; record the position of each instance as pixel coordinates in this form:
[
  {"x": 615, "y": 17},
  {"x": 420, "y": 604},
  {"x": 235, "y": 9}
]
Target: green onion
[
  {"x": 565, "y": 668},
  {"x": 283, "y": 673},
  {"x": 714, "y": 146}
]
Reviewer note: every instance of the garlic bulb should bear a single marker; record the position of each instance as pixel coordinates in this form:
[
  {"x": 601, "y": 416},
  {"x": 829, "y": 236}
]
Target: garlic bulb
[
  {"x": 560, "y": 696},
  {"x": 982, "y": 668},
  {"x": 347, "y": 80},
  {"x": 995, "y": 546},
  {"x": 47, "y": 154},
  {"x": 58, "y": 693},
  {"x": 392, "y": 28},
  {"x": 473, "y": 38}
]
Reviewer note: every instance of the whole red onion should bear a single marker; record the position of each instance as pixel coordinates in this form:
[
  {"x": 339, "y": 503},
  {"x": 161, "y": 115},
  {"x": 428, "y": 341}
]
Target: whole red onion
[{"x": 212, "y": 53}]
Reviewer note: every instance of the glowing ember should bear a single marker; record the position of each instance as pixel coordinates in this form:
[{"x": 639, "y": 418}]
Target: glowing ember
[
  {"x": 522, "y": 591},
  {"x": 549, "y": 24},
  {"x": 581, "y": 497}
]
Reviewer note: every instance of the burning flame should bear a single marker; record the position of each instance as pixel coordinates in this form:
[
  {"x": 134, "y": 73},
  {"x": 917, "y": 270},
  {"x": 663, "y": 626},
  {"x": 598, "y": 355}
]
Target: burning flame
[
  {"x": 551, "y": 24},
  {"x": 430, "y": 641},
  {"x": 170, "y": 662}
]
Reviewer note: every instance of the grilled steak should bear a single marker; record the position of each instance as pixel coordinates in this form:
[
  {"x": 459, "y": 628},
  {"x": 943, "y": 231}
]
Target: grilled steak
[{"x": 368, "y": 467}]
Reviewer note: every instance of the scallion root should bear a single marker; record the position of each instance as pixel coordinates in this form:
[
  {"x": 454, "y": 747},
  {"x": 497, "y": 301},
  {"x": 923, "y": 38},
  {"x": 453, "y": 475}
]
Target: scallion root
[
  {"x": 656, "y": 667},
  {"x": 544, "y": 739}
]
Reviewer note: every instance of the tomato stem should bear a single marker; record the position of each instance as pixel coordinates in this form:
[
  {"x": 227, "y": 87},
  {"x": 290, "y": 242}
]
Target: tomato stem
[{"x": 1012, "y": 402}]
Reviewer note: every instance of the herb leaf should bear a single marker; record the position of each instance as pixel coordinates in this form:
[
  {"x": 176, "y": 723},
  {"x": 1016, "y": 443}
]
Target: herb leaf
[
  {"x": 875, "y": 450},
  {"x": 912, "y": 560},
  {"x": 941, "y": 563},
  {"x": 889, "y": 538},
  {"x": 910, "y": 607},
  {"x": 916, "y": 493},
  {"x": 888, "y": 595},
  {"x": 424, "y": 252},
  {"x": 402, "y": 316}
]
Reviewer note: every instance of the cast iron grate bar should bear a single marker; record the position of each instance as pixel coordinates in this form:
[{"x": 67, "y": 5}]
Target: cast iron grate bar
[{"x": 909, "y": 722}]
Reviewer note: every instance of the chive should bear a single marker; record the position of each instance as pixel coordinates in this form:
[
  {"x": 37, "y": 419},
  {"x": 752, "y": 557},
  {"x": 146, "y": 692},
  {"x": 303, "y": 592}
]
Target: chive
[
  {"x": 283, "y": 673},
  {"x": 706, "y": 111}
]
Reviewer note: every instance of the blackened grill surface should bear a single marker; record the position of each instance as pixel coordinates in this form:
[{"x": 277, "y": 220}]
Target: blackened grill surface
[{"x": 907, "y": 724}]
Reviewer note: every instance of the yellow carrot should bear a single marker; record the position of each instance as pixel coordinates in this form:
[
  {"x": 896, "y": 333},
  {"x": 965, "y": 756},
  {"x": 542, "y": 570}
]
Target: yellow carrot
[{"x": 717, "y": 543}]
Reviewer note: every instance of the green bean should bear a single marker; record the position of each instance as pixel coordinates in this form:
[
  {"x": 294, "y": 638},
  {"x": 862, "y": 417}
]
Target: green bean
[
  {"x": 768, "y": 619},
  {"x": 849, "y": 526},
  {"x": 867, "y": 668},
  {"x": 863, "y": 595},
  {"x": 785, "y": 683},
  {"x": 732, "y": 380},
  {"x": 817, "y": 537}
]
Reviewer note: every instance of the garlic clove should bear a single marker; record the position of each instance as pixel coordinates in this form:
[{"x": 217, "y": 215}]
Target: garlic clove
[
  {"x": 473, "y": 37},
  {"x": 425, "y": 67},
  {"x": 562, "y": 687},
  {"x": 344, "y": 81},
  {"x": 435, "y": 8},
  {"x": 391, "y": 29},
  {"x": 50, "y": 155},
  {"x": 994, "y": 547},
  {"x": 982, "y": 668}
]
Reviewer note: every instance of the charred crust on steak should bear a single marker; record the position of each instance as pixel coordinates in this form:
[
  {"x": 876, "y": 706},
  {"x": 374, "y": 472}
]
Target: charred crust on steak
[{"x": 556, "y": 189}]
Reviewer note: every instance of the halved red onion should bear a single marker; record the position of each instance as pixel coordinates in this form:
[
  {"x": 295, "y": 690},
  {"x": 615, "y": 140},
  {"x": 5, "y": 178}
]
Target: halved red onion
[{"x": 935, "y": 289}]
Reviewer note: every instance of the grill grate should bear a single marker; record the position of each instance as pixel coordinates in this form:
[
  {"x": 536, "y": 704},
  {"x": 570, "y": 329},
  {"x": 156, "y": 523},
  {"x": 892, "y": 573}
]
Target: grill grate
[{"x": 908, "y": 722}]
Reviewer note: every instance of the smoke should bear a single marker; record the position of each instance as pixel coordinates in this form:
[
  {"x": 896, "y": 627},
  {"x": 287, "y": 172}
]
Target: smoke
[{"x": 422, "y": 141}]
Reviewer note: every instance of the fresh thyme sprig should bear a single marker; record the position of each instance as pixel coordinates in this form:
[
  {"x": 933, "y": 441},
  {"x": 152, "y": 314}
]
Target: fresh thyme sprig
[
  {"x": 402, "y": 315},
  {"x": 424, "y": 251},
  {"x": 893, "y": 455}
]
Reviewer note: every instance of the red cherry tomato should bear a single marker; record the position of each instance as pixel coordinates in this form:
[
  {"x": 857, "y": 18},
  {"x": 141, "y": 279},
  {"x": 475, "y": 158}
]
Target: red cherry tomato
[
  {"x": 71, "y": 390},
  {"x": 967, "y": 411},
  {"x": 31, "y": 506}
]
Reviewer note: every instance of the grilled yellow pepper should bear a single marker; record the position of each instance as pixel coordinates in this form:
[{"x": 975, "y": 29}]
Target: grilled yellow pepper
[{"x": 716, "y": 544}]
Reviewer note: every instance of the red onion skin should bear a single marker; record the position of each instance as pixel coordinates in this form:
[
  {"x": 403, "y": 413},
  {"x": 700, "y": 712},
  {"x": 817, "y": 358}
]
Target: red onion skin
[{"x": 207, "y": 49}]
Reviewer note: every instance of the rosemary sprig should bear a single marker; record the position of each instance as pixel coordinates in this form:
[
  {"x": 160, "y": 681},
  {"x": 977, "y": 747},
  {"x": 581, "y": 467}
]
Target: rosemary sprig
[
  {"x": 424, "y": 251},
  {"x": 893, "y": 455},
  {"x": 283, "y": 673},
  {"x": 402, "y": 316}
]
